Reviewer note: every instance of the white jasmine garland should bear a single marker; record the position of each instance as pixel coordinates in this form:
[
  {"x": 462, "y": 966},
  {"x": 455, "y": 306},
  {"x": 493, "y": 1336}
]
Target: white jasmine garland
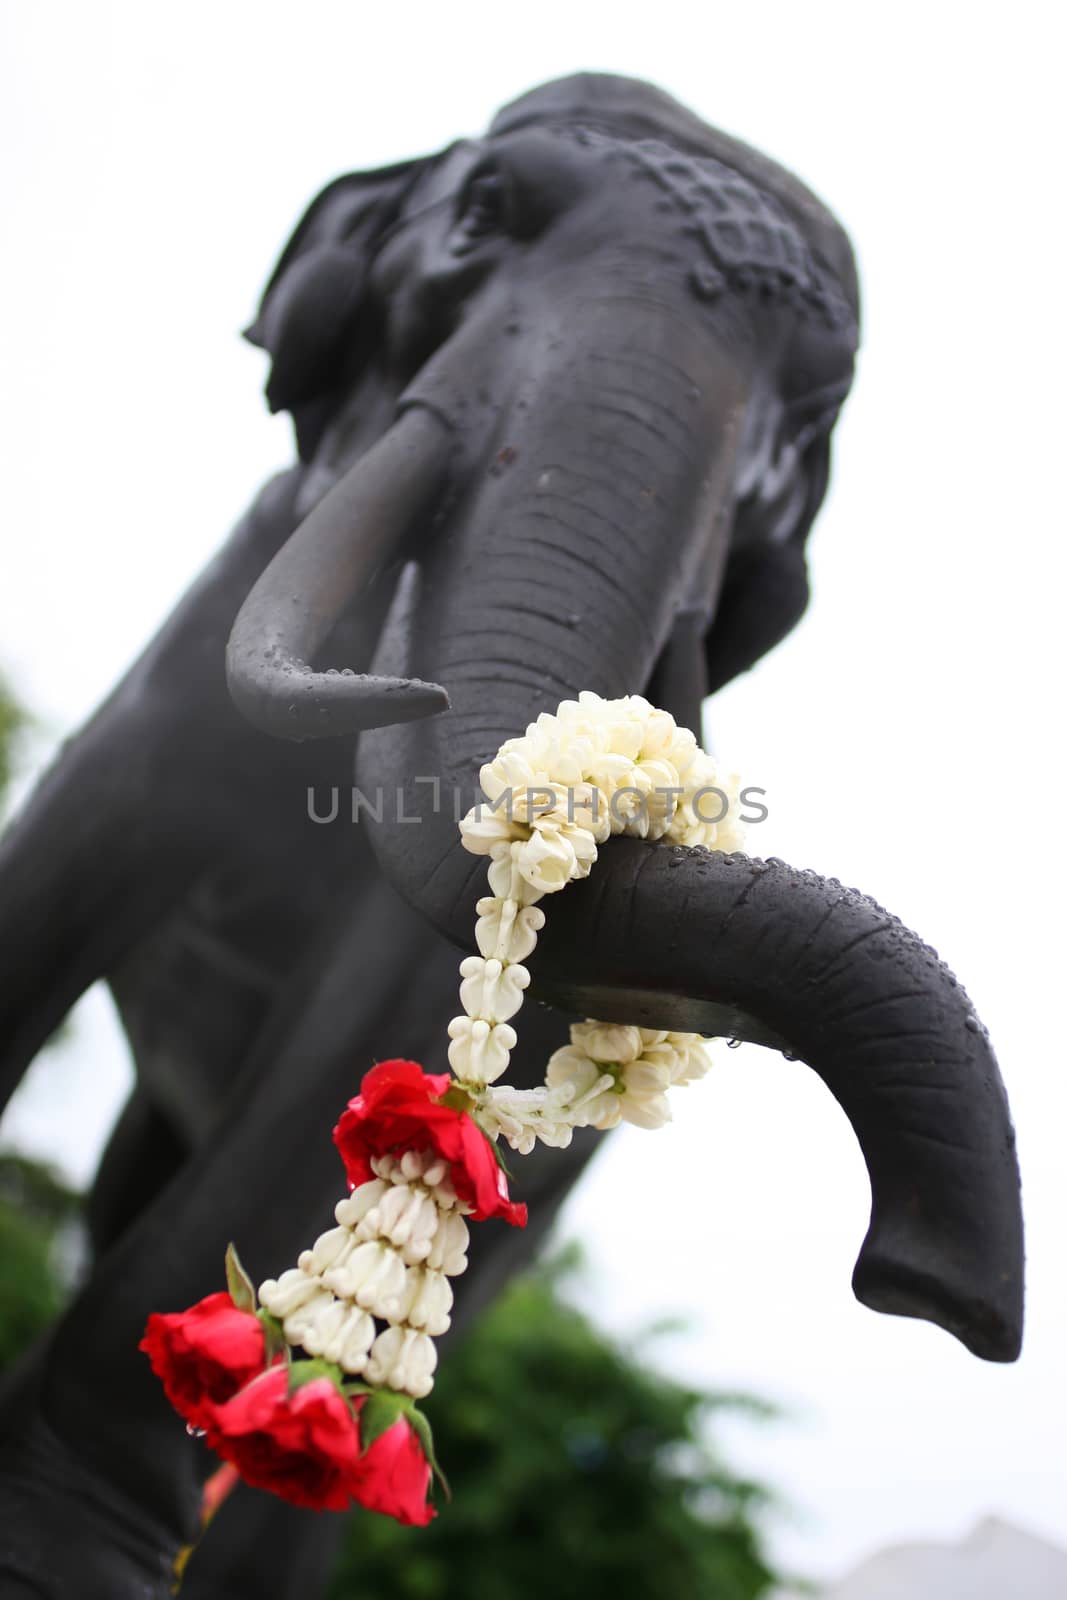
[
  {"x": 399, "y": 1238},
  {"x": 592, "y": 769},
  {"x": 372, "y": 1293}
]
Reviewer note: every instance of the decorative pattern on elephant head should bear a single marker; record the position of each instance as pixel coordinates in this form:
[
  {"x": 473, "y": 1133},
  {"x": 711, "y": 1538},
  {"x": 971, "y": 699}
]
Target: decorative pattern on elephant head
[
  {"x": 563, "y": 400},
  {"x": 601, "y": 323}
]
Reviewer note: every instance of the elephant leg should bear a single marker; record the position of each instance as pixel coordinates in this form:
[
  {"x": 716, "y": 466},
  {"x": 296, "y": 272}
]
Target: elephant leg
[
  {"x": 93, "y": 1446},
  {"x": 136, "y": 805},
  {"x": 65, "y": 1529},
  {"x": 142, "y": 1155}
]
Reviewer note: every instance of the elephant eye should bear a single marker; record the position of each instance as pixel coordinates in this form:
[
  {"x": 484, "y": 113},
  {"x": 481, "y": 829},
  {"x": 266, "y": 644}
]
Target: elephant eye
[{"x": 483, "y": 206}]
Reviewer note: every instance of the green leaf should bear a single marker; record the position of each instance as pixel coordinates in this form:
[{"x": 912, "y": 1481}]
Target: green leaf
[
  {"x": 421, "y": 1424},
  {"x": 275, "y": 1343},
  {"x": 301, "y": 1372},
  {"x": 499, "y": 1156},
  {"x": 382, "y": 1408},
  {"x": 456, "y": 1098},
  {"x": 238, "y": 1282}
]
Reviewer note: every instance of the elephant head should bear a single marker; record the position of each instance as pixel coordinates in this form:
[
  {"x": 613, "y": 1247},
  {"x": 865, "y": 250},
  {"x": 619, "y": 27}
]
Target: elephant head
[{"x": 580, "y": 376}]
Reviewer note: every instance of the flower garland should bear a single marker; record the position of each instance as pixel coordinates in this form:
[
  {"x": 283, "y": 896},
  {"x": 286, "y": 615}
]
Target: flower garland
[{"x": 311, "y": 1390}]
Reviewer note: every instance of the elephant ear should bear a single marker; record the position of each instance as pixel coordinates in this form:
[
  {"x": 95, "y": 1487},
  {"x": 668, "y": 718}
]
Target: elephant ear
[
  {"x": 309, "y": 320},
  {"x": 764, "y": 590}
]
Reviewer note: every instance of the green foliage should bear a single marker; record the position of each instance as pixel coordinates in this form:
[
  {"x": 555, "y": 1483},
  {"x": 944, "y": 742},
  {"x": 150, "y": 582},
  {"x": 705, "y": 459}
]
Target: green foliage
[{"x": 577, "y": 1471}]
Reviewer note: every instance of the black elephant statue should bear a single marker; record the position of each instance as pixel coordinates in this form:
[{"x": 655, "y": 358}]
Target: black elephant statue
[{"x": 563, "y": 399}]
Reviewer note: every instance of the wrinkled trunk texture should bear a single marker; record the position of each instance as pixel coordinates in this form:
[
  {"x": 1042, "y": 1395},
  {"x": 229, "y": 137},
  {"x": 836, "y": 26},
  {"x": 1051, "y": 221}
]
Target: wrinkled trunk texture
[{"x": 870, "y": 1008}]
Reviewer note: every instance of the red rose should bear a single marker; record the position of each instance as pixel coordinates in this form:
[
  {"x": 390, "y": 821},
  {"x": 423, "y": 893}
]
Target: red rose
[
  {"x": 302, "y": 1446},
  {"x": 204, "y": 1355},
  {"x": 398, "y": 1108},
  {"x": 393, "y": 1476}
]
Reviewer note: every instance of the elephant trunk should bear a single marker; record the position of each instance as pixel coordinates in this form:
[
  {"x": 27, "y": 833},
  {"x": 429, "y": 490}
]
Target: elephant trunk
[{"x": 709, "y": 942}]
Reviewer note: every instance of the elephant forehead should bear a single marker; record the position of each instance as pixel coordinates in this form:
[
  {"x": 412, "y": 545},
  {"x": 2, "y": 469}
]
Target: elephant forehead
[{"x": 747, "y": 238}]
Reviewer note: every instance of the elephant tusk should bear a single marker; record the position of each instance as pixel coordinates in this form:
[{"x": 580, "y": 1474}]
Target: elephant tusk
[
  {"x": 687, "y": 940},
  {"x": 322, "y": 568}
]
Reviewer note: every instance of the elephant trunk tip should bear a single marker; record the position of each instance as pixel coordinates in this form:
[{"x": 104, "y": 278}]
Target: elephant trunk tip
[{"x": 987, "y": 1321}]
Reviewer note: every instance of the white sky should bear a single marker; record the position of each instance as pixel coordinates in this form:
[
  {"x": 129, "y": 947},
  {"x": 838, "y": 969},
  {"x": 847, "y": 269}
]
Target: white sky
[{"x": 151, "y": 170}]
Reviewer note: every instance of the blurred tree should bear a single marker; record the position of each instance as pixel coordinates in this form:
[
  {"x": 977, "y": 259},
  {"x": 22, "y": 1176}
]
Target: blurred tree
[{"x": 577, "y": 1470}]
